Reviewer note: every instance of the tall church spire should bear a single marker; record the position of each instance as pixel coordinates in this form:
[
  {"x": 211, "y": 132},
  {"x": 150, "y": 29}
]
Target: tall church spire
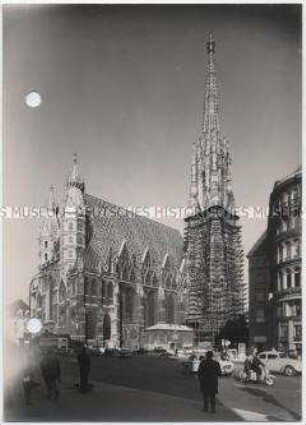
[
  {"x": 210, "y": 173},
  {"x": 211, "y": 101}
]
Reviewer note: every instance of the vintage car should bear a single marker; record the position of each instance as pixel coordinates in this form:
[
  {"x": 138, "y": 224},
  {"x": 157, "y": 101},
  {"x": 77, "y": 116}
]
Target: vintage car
[
  {"x": 193, "y": 362},
  {"x": 277, "y": 362}
]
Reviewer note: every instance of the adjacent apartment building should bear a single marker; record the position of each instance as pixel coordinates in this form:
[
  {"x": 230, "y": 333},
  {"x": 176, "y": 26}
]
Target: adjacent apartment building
[{"x": 275, "y": 271}]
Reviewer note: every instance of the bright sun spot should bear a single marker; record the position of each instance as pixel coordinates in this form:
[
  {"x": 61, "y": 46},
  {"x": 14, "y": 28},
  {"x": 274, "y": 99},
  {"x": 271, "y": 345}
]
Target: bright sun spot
[{"x": 33, "y": 99}]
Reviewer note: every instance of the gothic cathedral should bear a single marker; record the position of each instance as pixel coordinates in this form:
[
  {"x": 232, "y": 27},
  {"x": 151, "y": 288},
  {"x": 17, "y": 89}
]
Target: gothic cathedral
[{"x": 106, "y": 274}]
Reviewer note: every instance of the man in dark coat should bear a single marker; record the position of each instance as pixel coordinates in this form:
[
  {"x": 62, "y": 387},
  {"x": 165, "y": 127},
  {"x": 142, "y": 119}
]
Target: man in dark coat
[
  {"x": 84, "y": 363},
  {"x": 208, "y": 373},
  {"x": 51, "y": 372}
]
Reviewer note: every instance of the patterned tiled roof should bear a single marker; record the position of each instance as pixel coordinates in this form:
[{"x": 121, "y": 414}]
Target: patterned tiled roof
[{"x": 111, "y": 225}]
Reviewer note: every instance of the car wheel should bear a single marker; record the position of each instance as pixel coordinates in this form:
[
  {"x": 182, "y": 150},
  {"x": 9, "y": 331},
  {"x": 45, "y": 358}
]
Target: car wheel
[{"x": 289, "y": 371}]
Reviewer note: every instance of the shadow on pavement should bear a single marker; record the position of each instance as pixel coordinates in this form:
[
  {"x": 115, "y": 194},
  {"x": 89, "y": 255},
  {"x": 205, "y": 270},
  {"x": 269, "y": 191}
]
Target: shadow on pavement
[{"x": 269, "y": 398}]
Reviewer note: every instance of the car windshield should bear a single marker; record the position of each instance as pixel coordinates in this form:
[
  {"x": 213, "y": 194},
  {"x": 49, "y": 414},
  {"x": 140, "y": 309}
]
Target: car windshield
[{"x": 281, "y": 355}]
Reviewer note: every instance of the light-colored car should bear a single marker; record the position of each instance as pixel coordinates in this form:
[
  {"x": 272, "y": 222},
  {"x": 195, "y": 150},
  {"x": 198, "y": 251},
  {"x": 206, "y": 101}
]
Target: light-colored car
[
  {"x": 193, "y": 362},
  {"x": 277, "y": 362}
]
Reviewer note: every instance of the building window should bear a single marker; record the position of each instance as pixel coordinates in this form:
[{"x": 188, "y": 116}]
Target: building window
[
  {"x": 292, "y": 222},
  {"x": 296, "y": 249},
  {"x": 280, "y": 253},
  {"x": 297, "y": 278},
  {"x": 283, "y": 331},
  {"x": 260, "y": 315},
  {"x": 298, "y": 309},
  {"x": 295, "y": 194},
  {"x": 288, "y": 250},
  {"x": 107, "y": 327},
  {"x": 288, "y": 310},
  {"x": 70, "y": 253},
  {"x": 70, "y": 239},
  {"x": 70, "y": 226},
  {"x": 288, "y": 278},
  {"x": 297, "y": 335},
  {"x": 280, "y": 281},
  {"x": 46, "y": 257},
  {"x": 46, "y": 244}
]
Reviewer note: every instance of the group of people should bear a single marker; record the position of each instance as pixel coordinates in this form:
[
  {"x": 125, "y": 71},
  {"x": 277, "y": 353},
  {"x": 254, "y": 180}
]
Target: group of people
[{"x": 50, "y": 369}]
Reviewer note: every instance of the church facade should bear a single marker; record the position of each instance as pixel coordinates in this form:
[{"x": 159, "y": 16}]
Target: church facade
[{"x": 105, "y": 273}]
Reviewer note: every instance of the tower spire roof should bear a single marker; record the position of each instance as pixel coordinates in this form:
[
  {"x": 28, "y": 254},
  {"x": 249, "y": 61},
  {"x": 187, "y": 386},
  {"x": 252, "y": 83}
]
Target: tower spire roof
[
  {"x": 52, "y": 202},
  {"x": 75, "y": 179},
  {"x": 210, "y": 171},
  {"x": 211, "y": 98}
]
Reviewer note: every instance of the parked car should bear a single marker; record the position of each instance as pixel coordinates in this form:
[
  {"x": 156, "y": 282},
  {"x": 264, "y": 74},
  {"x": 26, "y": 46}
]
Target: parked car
[
  {"x": 160, "y": 351},
  {"x": 125, "y": 353},
  {"x": 277, "y": 362},
  {"x": 95, "y": 351},
  {"x": 193, "y": 362},
  {"x": 111, "y": 352}
]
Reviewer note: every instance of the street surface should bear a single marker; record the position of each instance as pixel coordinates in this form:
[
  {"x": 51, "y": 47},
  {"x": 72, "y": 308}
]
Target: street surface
[{"x": 154, "y": 389}]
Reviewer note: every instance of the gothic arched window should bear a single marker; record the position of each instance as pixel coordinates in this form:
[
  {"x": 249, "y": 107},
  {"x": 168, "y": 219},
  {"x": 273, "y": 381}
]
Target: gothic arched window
[
  {"x": 104, "y": 291},
  {"x": 106, "y": 327},
  {"x": 168, "y": 282},
  {"x": 110, "y": 291},
  {"x": 90, "y": 324},
  {"x": 170, "y": 309},
  {"x": 124, "y": 275},
  {"x": 147, "y": 278},
  {"x": 149, "y": 309},
  {"x": 154, "y": 280},
  {"x": 94, "y": 288},
  {"x": 129, "y": 306}
]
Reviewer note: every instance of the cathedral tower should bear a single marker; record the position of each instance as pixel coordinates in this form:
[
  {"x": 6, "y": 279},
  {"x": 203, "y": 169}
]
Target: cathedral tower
[
  {"x": 73, "y": 224},
  {"x": 50, "y": 231},
  {"x": 212, "y": 234}
]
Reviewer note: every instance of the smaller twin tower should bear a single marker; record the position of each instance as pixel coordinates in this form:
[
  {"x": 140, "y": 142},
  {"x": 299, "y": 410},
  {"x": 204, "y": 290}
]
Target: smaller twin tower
[{"x": 109, "y": 276}]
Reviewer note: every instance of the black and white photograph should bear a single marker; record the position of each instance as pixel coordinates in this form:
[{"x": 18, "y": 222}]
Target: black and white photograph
[{"x": 152, "y": 212}]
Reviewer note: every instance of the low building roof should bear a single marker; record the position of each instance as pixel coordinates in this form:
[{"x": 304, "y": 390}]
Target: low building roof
[{"x": 168, "y": 327}]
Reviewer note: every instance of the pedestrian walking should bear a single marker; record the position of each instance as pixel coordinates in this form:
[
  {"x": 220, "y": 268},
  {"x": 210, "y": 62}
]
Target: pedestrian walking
[
  {"x": 29, "y": 381},
  {"x": 84, "y": 364},
  {"x": 28, "y": 384},
  {"x": 51, "y": 372},
  {"x": 208, "y": 373}
]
